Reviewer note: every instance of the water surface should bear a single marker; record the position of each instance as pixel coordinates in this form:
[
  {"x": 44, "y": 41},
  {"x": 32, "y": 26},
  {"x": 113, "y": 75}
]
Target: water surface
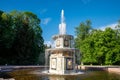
[{"x": 26, "y": 74}]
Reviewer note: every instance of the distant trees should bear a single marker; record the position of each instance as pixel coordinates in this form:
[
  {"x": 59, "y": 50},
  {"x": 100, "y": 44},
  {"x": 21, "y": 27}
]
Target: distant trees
[
  {"x": 97, "y": 46},
  {"x": 21, "y": 40}
]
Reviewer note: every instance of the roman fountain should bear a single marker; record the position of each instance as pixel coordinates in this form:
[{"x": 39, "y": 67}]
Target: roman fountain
[{"x": 62, "y": 58}]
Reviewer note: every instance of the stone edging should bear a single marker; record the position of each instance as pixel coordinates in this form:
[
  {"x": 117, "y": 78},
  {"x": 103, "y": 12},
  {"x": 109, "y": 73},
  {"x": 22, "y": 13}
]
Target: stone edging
[{"x": 7, "y": 79}]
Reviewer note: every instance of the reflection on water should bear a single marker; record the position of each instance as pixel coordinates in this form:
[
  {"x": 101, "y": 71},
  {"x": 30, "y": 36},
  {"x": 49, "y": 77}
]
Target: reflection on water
[{"x": 93, "y": 75}]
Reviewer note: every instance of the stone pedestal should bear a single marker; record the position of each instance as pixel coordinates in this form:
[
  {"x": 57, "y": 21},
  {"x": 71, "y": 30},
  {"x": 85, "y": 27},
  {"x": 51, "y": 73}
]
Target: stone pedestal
[
  {"x": 60, "y": 64},
  {"x": 62, "y": 57}
]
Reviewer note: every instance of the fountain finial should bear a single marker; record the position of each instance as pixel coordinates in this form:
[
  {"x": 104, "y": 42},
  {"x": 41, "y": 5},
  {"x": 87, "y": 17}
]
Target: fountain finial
[{"x": 62, "y": 25}]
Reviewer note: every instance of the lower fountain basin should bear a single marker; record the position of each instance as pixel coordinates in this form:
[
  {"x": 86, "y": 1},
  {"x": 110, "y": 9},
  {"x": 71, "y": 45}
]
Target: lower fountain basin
[{"x": 41, "y": 74}]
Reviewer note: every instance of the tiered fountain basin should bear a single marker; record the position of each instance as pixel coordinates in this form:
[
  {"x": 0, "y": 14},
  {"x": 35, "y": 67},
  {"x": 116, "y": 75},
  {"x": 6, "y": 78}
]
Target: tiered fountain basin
[{"x": 62, "y": 58}]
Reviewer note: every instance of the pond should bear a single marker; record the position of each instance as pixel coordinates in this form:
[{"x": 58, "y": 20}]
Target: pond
[{"x": 26, "y": 74}]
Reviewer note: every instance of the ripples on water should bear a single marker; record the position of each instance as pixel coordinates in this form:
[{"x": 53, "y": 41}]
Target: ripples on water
[{"x": 89, "y": 75}]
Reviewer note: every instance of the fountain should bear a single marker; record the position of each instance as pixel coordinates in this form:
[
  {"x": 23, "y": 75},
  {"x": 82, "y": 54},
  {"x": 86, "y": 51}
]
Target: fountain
[{"x": 62, "y": 59}]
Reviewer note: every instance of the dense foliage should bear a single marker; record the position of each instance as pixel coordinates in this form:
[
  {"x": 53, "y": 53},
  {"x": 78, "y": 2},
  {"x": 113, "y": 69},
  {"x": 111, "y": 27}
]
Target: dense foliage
[
  {"x": 21, "y": 41},
  {"x": 98, "y": 46}
]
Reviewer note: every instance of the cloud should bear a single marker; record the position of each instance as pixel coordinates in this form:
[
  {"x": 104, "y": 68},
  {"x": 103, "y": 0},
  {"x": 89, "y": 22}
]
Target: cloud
[
  {"x": 49, "y": 43},
  {"x": 85, "y": 1},
  {"x": 45, "y": 21},
  {"x": 43, "y": 11},
  {"x": 109, "y": 25}
]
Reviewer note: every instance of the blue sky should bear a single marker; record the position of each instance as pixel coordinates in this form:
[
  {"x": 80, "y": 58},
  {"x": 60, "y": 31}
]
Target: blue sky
[{"x": 100, "y": 12}]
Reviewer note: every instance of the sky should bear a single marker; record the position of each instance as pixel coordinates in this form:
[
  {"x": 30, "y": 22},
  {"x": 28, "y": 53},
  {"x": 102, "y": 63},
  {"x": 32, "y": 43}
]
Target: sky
[{"x": 102, "y": 13}]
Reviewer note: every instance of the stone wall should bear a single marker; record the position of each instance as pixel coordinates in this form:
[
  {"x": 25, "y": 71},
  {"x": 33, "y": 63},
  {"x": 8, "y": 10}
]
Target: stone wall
[
  {"x": 111, "y": 69},
  {"x": 114, "y": 70},
  {"x": 7, "y": 79}
]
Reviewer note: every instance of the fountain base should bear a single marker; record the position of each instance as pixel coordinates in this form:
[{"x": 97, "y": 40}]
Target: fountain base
[{"x": 46, "y": 72}]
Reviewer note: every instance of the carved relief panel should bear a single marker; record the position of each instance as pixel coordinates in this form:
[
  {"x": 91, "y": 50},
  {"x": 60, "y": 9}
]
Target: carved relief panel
[
  {"x": 69, "y": 63},
  {"x": 58, "y": 43},
  {"x": 53, "y": 63},
  {"x": 66, "y": 43}
]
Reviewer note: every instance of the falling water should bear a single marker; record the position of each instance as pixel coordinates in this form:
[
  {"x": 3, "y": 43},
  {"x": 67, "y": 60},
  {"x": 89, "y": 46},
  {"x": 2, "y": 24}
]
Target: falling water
[
  {"x": 62, "y": 25},
  {"x": 46, "y": 60}
]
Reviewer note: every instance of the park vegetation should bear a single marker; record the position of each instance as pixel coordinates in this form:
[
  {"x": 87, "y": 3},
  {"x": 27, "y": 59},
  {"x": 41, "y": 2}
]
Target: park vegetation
[
  {"x": 21, "y": 41},
  {"x": 100, "y": 47}
]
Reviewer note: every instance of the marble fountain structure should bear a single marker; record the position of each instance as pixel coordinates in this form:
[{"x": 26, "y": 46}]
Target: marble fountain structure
[{"x": 62, "y": 58}]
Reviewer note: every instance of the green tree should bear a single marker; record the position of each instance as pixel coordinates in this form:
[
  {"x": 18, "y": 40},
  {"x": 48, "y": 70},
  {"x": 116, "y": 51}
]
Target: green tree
[
  {"x": 28, "y": 42},
  {"x": 99, "y": 47},
  {"x": 6, "y": 37},
  {"x": 82, "y": 32},
  {"x": 21, "y": 38},
  {"x": 111, "y": 42}
]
